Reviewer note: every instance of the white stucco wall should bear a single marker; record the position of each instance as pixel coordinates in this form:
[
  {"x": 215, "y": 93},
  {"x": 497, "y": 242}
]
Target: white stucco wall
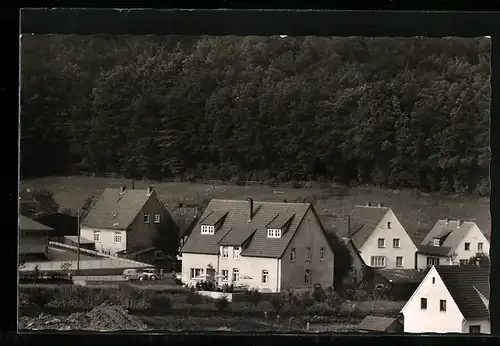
[
  {"x": 474, "y": 237},
  {"x": 251, "y": 266},
  {"x": 485, "y": 325},
  {"x": 407, "y": 248},
  {"x": 422, "y": 261},
  {"x": 29, "y": 244},
  {"x": 107, "y": 239},
  {"x": 432, "y": 320}
]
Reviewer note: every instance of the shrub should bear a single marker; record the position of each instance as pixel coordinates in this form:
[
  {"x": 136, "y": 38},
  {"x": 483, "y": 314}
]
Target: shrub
[
  {"x": 277, "y": 304},
  {"x": 40, "y": 296},
  {"x": 384, "y": 308},
  {"x": 318, "y": 294},
  {"x": 321, "y": 309},
  {"x": 194, "y": 298},
  {"x": 253, "y": 296},
  {"x": 161, "y": 302},
  {"x": 222, "y": 303},
  {"x": 296, "y": 185}
]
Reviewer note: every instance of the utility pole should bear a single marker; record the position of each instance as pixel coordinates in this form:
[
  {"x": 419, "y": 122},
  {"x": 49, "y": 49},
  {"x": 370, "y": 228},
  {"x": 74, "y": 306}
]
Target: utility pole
[{"x": 78, "y": 250}]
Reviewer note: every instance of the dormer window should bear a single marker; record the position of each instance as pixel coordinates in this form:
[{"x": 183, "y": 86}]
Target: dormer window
[
  {"x": 207, "y": 229},
  {"x": 437, "y": 242},
  {"x": 274, "y": 233}
]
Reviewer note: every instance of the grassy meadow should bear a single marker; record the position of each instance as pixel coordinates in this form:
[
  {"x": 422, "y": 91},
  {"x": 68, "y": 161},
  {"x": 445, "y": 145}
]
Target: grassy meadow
[{"x": 417, "y": 211}]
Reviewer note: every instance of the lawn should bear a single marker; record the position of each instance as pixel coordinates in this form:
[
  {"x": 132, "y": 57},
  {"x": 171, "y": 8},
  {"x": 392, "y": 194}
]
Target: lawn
[{"x": 417, "y": 211}]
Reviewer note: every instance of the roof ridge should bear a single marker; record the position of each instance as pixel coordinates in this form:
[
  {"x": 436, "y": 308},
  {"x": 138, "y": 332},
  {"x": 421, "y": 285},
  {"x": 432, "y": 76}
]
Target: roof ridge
[{"x": 257, "y": 201}]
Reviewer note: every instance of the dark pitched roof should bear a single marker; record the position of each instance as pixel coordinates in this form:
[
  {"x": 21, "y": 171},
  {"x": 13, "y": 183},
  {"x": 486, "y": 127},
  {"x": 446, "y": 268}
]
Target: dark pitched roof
[
  {"x": 364, "y": 219},
  {"x": 434, "y": 250},
  {"x": 62, "y": 224},
  {"x": 184, "y": 217},
  {"x": 27, "y": 224},
  {"x": 462, "y": 282},
  {"x": 401, "y": 275},
  {"x": 113, "y": 210},
  {"x": 236, "y": 228},
  {"x": 376, "y": 324},
  {"x": 214, "y": 217},
  {"x": 450, "y": 233}
]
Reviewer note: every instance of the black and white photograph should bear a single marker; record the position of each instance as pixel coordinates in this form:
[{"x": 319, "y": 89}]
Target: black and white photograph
[{"x": 287, "y": 184}]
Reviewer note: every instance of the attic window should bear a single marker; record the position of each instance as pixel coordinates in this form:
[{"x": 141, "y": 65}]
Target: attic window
[
  {"x": 274, "y": 233},
  {"x": 437, "y": 242},
  {"x": 205, "y": 229}
]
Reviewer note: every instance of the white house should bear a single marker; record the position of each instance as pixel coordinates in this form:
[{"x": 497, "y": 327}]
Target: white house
[
  {"x": 265, "y": 245},
  {"x": 380, "y": 238},
  {"x": 33, "y": 237},
  {"x": 450, "y": 299},
  {"x": 451, "y": 242},
  {"x": 126, "y": 221}
]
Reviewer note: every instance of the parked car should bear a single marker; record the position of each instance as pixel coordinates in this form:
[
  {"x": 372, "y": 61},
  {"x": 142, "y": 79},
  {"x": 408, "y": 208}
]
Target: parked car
[
  {"x": 150, "y": 274},
  {"x": 131, "y": 274}
]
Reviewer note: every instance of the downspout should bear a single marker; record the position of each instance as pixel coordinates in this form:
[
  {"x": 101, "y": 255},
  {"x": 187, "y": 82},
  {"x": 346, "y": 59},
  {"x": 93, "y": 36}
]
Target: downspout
[
  {"x": 278, "y": 275},
  {"x": 218, "y": 272}
]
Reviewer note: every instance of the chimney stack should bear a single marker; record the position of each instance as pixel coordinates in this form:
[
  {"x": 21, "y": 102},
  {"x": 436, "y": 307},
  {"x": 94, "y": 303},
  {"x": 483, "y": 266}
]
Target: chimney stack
[
  {"x": 447, "y": 222},
  {"x": 284, "y": 201},
  {"x": 478, "y": 262},
  {"x": 459, "y": 223},
  {"x": 250, "y": 210},
  {"x": 368, "y": 204},
  {"x": 379, "y": 205},
  {"x": 150, "y": 190},
  {"x": 133, "y": 184},
  {"x": 122, "y": 189}
]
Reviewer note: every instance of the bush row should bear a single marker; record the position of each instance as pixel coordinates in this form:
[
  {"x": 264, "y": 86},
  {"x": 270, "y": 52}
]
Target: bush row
[{"x": 156, "y": 302}]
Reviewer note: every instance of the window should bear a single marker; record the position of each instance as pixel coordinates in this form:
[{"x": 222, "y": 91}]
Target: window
[
  {"x": 292, "y": 254},
  {"x": 118, "y": 237},
  {"x": 225, "y": 275},
  {"x": 423, "y": 303},
  {"x": 467, "y": 246},
  {"x": 225, "y": 252},
  {"x": 97, "y": 236},
  {"x": 396, "y": 243},
  {"x": 437, "y": 242},
  {"x": 432, "y": 261},
  {"x": 265, "y": 276},
  {"x": 236, "y": 274},
  {"x": 157, "y": 217},
  {"x": 479, "y": 246},
  {"x": 308, "y": 254},
  {"x": 475, "y": 329},
  {"x": 381, "y": 242},
  {"x": 146, "y": 218},
  {"x": 236, "y": 252},
  {"x": 207, "y": 229},
  {"x": 388, "y": 225},
  {"x": 196, "y": 272},
  {"x": 322, "y": 253},
  {"x": 433, "y": 280},
  {"x": 442, "y": 305},
  {"x": 307, "y": 276},
  {"x": 399, "y": 261},
  {"x": 378, "y": 261},
  {"x": 274, "y": 233},
  {"x": 158, "y": 254}
]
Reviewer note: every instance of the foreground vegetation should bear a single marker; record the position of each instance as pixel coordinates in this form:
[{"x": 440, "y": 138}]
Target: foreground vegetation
[
  {"x": 407, "y": 112},
  {"x": 306, "y": 306}
]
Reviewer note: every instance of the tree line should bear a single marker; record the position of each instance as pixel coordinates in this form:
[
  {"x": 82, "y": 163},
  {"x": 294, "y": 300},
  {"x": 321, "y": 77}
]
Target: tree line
[{"x": 405, "y": 112}]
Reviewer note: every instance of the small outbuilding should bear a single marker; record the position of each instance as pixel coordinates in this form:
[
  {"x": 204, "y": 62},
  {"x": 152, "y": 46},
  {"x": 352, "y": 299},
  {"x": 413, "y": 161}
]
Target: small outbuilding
[{"x": 376, "y": 324}]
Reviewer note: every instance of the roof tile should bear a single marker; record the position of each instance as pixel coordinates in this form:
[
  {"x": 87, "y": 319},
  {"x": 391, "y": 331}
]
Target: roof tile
[
  {"x": 364, "y": 220},
  {"x": 450, "y": 232},
  {"x": 376, "y": 323},
  {"x": 461, "y": 281}
]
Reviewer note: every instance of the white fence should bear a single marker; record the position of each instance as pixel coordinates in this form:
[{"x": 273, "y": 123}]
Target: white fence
[{"x": 217, "y": 295}]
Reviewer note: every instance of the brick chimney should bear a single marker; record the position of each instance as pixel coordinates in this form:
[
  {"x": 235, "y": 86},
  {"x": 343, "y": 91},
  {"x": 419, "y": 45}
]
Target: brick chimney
[
  {"x": 122, "y": 189},
  {"x": 250, "y": 209},
  {"x": 150, "y": 190}
]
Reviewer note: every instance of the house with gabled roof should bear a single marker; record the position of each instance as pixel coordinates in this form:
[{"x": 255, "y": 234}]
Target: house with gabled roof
[
  {"x": 378, "y": 324},
  {"x": 451, "y": 242},
  {"x": 379, "y": 237},
  {"x": 33, "y": 237},
  {"x": 270, "y": 246},
  {"x": 124, "y": 221},
  {"x": 450, "y": 299}
]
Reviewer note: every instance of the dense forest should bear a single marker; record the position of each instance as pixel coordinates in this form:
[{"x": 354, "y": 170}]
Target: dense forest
[{"x": 406, "y": 112}]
